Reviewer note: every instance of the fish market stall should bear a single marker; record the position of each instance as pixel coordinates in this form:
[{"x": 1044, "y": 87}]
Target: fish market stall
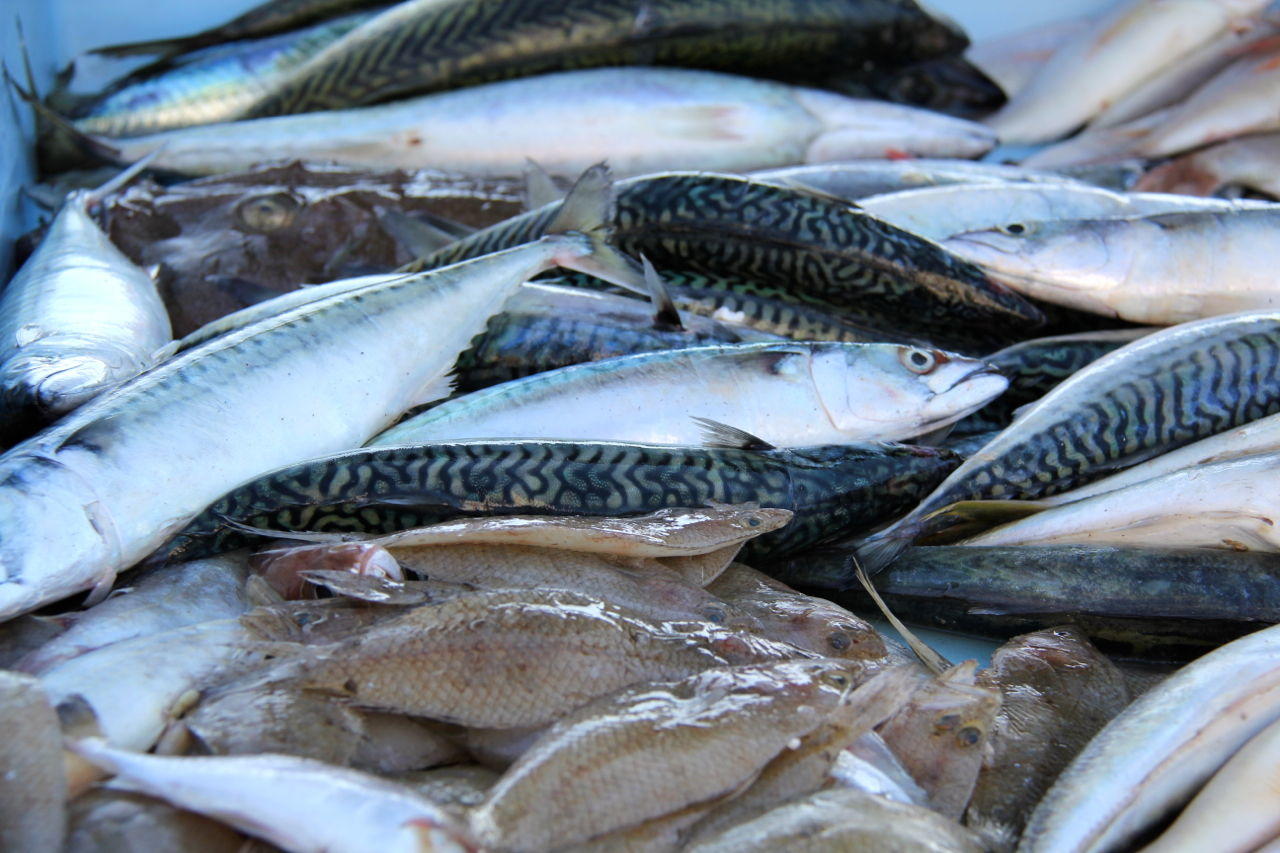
[{"x": 482, "y": 425}]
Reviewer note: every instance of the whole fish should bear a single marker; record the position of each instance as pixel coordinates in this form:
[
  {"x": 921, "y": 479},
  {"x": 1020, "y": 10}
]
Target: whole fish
[
  {"x": 547, "y": 652},
  {"x": 608, "y": 765},
  {"x": 1156, "y": 603},
  {"x": 1035, "y": 367},
  {"x": 1057, "y": 692},
  {"x": 33, "y": 785},
  {"x": 212, "y": 85},
  {"x": 76, "y": 320},
  {"x": 1161, "y": 749},
  {"x": 107, "y": 821},
  {"x": 1215, "y": 505},
  {"x": 816, "y": 393},
  {"x": 800, "y": 246},
  {"x": 414, "y": 46},
  {"x": 1200, "y": 378},
  {"x": 1236, "y": 811},
  {"x": 296, "y": 803},
  {"x": 1247, "y": 162},
  {"x": 1129, "y": 44},
  {"x": 845, "y": 819},
  {"x": 642, "y": 119},
  {"x": 832, "y": 490},
  {"x": 72, "y": 511}
]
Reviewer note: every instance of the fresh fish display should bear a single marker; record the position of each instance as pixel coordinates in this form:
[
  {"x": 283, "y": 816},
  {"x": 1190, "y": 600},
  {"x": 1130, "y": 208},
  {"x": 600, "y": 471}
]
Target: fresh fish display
[
  {"x": 1092, "y": 422},
  {"x": 71, "y": 514},
  {"x": 414, "y": 46},
  {"x": 1160, "y": 749},
  {"x": 642, "y": 119},
  {"x": 33, "y": 786},
  {"x": 78, "y": 319},
  {"x": 791, "y": 394},
  {"x": 1248, "y": 162},
  {"x": 1198, "y": 264},
  {"x": 833, "y": 490}
]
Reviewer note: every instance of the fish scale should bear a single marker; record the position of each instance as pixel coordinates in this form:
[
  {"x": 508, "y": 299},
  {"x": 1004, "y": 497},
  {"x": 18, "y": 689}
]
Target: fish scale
[
  {"x": 833, "y": 490},
  {"x": 431, "y": 45}
]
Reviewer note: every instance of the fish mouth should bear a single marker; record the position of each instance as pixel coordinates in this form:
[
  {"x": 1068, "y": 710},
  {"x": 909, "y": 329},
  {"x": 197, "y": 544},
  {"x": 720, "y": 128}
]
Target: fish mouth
[{"x": 983, "y": 370}]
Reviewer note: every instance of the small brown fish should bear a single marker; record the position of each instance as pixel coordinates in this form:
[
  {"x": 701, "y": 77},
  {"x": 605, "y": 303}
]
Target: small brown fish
[{"x": 33, "y": 785}]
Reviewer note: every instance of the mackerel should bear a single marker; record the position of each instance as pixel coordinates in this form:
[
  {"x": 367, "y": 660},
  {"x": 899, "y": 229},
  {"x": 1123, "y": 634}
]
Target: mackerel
[
  {"x": 815, "y": 393},
  {"x": 94, "y": 495},
  {"x": 1156, "y": 394},
  {"x": 833, "y": 490}
]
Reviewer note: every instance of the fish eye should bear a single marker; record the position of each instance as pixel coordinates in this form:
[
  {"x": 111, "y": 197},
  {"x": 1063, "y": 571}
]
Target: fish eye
[
  {"x": 917, "y": 360},
  {"x": 714, "y": 614},
  {"x": 969, "y": 736},
  {"x": 268, "y": 212},
  {"x": 753, "y": 521},
  {"x": 839, "y": 640},
  {"x": 837, "y": 680},
  {"x": 1014, "y": 229}
]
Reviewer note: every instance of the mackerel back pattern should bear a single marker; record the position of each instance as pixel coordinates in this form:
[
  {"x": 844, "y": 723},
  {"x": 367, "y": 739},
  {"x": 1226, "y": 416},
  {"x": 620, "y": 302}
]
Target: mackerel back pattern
[
  {"x": 422, "y": 47},
  {"x": 835, "y": 491},
  {"x": 792, "y": 244}
]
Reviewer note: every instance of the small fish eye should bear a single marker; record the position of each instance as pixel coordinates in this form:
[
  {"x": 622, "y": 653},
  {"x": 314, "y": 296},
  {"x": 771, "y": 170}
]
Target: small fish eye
[
  {"x": 269, "y": 212},
  {"x": 753, "y": 521},
  {"x": 919, "y": 361},
  {"x": 969, "y": 736},
  {"x": 839, "y": 641},
  {"x": 714, "y": 614},
  {"x": 1015, "y": 229},
  {"x": 837, "y": 680}
]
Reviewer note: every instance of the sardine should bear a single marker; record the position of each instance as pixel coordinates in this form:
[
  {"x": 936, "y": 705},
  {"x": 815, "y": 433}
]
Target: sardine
[
  {"x": 72, "y": 513},
  {"x": 1247, "y": 162},
  {"x": 832, "y": 490},
  {"x": 296, "y": 803},
  {"x": 33, "y": 785},
  {"x": 107, "y": 821},
  {"x": 817, "y": 393},
  {"x": 414, "y": 47},
  {"x": 1161, "y": 749},
  {"x": 1093, "y": 421}
]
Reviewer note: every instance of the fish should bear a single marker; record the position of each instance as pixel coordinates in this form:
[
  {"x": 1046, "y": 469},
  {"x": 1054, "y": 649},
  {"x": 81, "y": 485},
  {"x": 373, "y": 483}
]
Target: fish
[
  {"x": 845, "y": 819},
  {"x": 76, "y": 485},
  {"x": 853, "y": 771},
  {"x": 1213, "y": 505},
  {"x": 1131, "y": 43},
  {"x": 296, "y": 803},
  {"x": 1057, "y": 692},
  {"x": 608, "y": 765},
  {"x": 949, "y": 84},
  {"x": 559, "y": 650},
  {"x": 818, "y": 393},
  {"x": 1152, "y": 603},
  {"x": 283, "y": 722},
  {"x": 642, "y": 119},
  {"x": 806, "y": 621},
  {"x": 1035, "y": 367},
  {"x": 1161, "y": 749},
  {"x": 414, "y": 46},
  {"x": 24, "y": 635},
  {"x": 77, "y": 319},
  {"x": 833, "y": 490},
  {"x": 858, "y": 180},
  {"x": 1248, "y": 162},
  {"x": 33, "y": 784},
  {"x": 1098, "y": 145},
  {"x": 1090, "y": 424},
  {"x": 458, "y": 787},
  {"x": 1235, "y": 811},
  {"x": 107, "y": 821},
  {"x": 396, "y": 744},
  {"x": 1012, "y": 60},
  {"x": 156, "y": 601},
  {"x": 801, "y": 247}
]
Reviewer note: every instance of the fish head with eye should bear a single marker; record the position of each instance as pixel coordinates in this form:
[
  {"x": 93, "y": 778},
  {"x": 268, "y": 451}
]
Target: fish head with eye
[
  {"x": 891, "y": 392},
  {"x": 267, "y": 212}
]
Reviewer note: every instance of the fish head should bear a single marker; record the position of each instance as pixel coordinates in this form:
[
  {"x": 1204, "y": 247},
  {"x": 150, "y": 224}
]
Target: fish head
[
  {"x": 818, "y": 625},
  {"x": 892, "y": 392}
]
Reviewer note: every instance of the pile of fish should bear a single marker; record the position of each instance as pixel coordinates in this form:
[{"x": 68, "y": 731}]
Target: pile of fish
[{"x": 490, "y": 425}]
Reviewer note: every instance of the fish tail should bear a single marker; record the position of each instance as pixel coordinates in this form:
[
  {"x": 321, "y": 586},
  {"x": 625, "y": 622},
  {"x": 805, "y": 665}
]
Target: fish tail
[
  {"x": 60, "y": 127},
  {"x": 584, "y": 226},
  {"x": 878, "y": 551}
]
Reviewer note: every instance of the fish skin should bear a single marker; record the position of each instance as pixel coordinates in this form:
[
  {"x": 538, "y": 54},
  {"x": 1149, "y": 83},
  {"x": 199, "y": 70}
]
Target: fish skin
[
  {"x": 845, "y": 819},
  {"x": 333, "y": 808},
  {"x": 866, "y": 269},
  {"x": 76, "y": 485},
  {"x": 831, "y": 490},
  {"x": 1088, "y": 264},
  {"x": 1153, "y": 603},
  {"x": 1161, "y": 749},
  {"x": 395, "y": 744},
  {"x": 107, "y": 821},
  {"x": 154, "y": 602},
  {"x": 458, "y": 787},
  {"x": 1249, "y": 162},
  {"x": 857, "y": 180},
  {"x": 949, "y": 84},
  {"x": 76, "y": 320},
  {"x": 544, "y": 653},
  {"x": 1011, "y": 60},
  {"x": 1057, "y": 692},
  {"x": 24, "y": 635},
  {"x": 609, "y": 765},
  {"x": 806, "y": 621},
  {"x": 1043, "y": 454},
  {"x": 33, "y": 784},
  {"x": 285, "y": 722},
  {"x": 819, "y": 393},
  {"x": 414, "y": 47}
]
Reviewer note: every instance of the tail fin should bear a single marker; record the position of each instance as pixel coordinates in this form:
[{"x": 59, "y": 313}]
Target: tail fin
[
  {"x": 588, "y": 211},
  {"x": 878, "y": 551},
  {"x": 83, "y": 142}
]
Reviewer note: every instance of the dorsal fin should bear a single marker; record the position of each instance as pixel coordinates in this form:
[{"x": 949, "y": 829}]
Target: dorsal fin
[
  {"x": 415, "y": 236},
  {"x": 666, "y": 317},
  {"x": 729, "y": 437}
]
